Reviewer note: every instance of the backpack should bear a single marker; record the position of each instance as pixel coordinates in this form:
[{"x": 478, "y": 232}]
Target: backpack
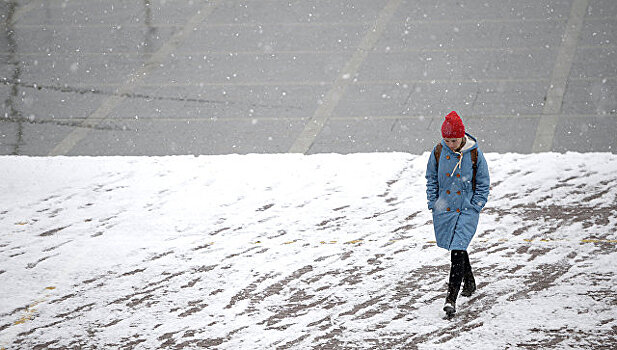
[{"x": 474, "y": 162}]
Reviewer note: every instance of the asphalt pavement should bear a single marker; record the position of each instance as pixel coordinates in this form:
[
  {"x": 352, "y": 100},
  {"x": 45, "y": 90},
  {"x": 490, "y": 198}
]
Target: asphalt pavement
[{"x": 167, "y": 77}]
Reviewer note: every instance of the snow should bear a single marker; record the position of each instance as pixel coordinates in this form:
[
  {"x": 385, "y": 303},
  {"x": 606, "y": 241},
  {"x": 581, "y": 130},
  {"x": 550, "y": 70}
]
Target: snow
[{"x": 294, "y": 251}]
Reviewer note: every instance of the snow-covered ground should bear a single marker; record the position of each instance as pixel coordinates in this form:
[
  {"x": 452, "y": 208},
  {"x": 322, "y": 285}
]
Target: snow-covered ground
[{"x": 293, "y": 251}]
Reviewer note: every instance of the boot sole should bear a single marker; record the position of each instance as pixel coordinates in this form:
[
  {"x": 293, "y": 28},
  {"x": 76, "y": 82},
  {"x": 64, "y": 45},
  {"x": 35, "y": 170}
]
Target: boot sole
[{"x": 450, "y": 311}]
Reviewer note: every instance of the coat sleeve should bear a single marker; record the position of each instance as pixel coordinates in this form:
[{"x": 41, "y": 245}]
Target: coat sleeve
[
  {"x": 483, "y": 184},
  {"x": 432, "y": 181}
]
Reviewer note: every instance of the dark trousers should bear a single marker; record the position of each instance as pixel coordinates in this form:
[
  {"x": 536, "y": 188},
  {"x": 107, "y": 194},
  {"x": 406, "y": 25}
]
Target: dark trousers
[{"x": 459, "y": 270}]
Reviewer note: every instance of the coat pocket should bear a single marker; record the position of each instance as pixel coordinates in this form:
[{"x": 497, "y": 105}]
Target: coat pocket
[{"x": 468, "y": 195}]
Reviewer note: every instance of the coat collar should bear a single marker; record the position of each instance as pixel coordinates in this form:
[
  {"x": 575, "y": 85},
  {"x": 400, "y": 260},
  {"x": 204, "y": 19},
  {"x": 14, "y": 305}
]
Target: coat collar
[{"x": 470, "y": 143}]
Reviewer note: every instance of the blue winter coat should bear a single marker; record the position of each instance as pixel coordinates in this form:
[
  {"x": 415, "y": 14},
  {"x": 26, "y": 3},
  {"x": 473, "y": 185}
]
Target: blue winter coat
[{"x": 456, "y": 207}]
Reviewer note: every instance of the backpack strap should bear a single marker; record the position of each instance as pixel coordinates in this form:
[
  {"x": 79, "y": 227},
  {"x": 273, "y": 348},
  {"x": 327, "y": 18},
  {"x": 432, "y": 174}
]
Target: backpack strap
[
  {"x": 438, "y": 153},
  {"x": 474, "y": 163}
]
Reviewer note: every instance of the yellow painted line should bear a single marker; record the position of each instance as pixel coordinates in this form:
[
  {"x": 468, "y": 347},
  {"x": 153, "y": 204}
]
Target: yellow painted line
[
  {"x": 599, "y": 241},
  {"x": 355, "y": 241},
  {"x": 31, "y": 310}
]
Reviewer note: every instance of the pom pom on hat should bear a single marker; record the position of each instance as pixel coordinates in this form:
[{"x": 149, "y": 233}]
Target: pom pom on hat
[{"x": 452, "y": 127}]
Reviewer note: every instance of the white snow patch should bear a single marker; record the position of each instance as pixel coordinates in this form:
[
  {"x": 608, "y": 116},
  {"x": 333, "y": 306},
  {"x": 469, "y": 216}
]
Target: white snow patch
[{"x": 261, "y": 251}]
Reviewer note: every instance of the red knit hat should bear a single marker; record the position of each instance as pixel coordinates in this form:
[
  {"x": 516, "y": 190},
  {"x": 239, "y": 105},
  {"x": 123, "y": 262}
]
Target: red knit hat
[{"x": 452, "y": 127}]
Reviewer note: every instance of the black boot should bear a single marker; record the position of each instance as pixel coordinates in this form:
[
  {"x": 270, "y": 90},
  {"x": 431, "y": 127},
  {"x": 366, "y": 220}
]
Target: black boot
[
  {"x": 457, "y": 270},
  {"x": 450, "y": 306},
  {"x": 469, "y": 287},
  {"x": 469, "y": 282}
]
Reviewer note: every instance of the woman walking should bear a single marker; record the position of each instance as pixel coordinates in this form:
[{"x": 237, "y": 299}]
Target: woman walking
[{"x": 457, "y": 188}]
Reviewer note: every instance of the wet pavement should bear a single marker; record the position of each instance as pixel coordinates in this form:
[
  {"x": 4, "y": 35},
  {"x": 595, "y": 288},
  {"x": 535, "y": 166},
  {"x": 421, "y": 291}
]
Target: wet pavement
[{"x": 217, "y": 77}]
